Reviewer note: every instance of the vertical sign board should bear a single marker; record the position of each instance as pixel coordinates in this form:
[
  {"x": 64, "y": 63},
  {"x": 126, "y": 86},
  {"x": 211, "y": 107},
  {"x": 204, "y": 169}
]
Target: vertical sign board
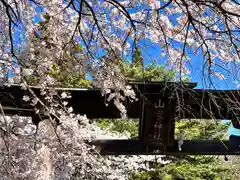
[
  {"x": 157, "y": 121},
  {"x": 169, "y": 121},
  {"x": 158, "y": 112}
]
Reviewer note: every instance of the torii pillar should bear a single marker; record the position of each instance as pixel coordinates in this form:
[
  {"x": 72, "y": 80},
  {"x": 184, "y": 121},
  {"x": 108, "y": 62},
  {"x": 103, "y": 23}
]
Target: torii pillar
[{"x": 158, "y": 113}]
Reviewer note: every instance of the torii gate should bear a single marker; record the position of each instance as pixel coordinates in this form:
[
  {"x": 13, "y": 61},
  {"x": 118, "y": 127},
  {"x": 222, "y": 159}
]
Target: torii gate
[{"x": 157, "y": 111}]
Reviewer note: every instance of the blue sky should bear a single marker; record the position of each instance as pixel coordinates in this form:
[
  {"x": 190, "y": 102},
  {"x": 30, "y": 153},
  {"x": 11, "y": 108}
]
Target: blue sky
[
  {"x": 153, "y": 53},
  {"x": 233, "y": 131}
]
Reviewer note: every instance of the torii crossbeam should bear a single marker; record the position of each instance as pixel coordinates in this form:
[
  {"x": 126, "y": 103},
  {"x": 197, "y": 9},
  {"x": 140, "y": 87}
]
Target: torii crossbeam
[{"x": 159, "y": 105}]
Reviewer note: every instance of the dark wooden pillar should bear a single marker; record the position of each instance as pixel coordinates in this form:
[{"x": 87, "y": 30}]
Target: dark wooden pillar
[
  {"x": 156, "y": 128},
  {"x": 158, "y": 114},
  {"x": 168, "y": 121},
  {"x": 158, "y": 121}
]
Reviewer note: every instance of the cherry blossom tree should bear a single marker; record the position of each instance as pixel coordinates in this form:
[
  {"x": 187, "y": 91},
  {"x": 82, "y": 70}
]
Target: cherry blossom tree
[
  {"x": 107, "y": 31},
  {"x": 207, "y": 27}
]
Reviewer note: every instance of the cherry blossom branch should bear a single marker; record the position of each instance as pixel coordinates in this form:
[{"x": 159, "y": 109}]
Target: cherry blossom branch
[{"x": 9, "y": 11}]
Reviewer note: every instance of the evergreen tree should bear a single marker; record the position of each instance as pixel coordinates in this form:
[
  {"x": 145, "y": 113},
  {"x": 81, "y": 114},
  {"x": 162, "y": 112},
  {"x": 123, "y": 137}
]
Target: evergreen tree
[{"x": 66, "y": 69}]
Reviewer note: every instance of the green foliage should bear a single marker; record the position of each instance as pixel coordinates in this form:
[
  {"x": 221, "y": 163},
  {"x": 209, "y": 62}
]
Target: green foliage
[
  {"x": 190, "y": 171},
  {"x": 197, "y": 170},
  {"x": 63, "y": 70},
  {"x": 184, "y": 166},
  {"x": 210, "y": 129},
  {"x": 69, "y": 79},
  {"x": 146, "y": 175},
  {"x": 64, "y": 79},
  {"x": 121, "y": 126},
  {"x": 151, "y": 72},
  {"x": 200, "y": 167}
]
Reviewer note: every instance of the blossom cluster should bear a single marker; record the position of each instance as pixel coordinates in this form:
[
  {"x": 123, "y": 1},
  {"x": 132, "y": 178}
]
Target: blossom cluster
[
  {"x": 49, "y": 152},
  {"x": 111, "y": 29}
]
